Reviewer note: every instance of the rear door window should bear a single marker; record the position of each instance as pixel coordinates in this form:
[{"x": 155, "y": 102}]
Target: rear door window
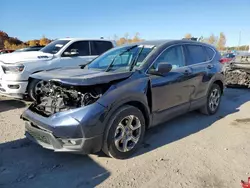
[
  {"x": 195, "y": 54},
  {"x": 99, "y": 47}
]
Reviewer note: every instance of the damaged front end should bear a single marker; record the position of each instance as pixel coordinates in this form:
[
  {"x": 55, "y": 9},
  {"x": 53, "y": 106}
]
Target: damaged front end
[
  {"x": 56, "y": 120},
  {"x": 57, "y": 97}
]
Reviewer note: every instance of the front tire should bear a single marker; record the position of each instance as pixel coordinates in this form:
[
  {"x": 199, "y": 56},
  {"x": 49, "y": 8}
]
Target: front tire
[
  {"x": 34, "y": 88},
  {"x": 125, "y": 132},
  {"x": 213, "y": 100}
]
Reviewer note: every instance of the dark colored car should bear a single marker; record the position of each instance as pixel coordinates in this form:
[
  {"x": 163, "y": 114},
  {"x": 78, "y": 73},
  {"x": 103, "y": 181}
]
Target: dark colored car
[
  {"x": 227, "y": 58},
  {"x": 5, "y": 51},
  {"x": 29, "y": 49},
  {"x": 109, "y": 103}
]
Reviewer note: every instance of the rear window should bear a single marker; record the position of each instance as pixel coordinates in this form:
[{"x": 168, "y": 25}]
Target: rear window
[
  {"x": 99, "y": 47},
  {"x": 210, "y": 53},
  {"x": 195, "y": 54}
]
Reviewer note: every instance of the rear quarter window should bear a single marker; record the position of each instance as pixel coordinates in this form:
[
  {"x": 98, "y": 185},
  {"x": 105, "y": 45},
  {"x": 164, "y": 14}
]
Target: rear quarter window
[
  {"x": 99, "y": 47},
  {"x": 195, "y": 54},
  {"x": 210, "y": 53}
]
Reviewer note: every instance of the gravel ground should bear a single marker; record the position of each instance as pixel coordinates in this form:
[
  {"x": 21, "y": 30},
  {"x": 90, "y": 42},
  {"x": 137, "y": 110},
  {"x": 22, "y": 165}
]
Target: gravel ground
[{"x": 193, "y": 151}]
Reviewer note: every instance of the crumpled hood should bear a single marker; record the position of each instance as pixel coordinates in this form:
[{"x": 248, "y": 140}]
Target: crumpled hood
[
  {"x": 16, "y": 57},
  {"x": 80, "y": 77}
]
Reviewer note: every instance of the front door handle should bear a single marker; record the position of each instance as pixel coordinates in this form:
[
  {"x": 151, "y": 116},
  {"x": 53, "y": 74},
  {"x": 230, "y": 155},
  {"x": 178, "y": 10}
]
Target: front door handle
[{"x": 210, "y": 66}]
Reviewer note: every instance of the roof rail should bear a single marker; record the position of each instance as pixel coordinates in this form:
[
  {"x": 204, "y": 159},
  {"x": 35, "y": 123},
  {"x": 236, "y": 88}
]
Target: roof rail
[{"x": 192, "y": 38}]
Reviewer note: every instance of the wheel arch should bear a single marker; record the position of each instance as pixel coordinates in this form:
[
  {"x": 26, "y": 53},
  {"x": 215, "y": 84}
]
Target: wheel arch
[
  {"x": 139, "y": 102},
  {"x": 30, "y": 78},
  {"x": 220, "y": 84},
  {"x": 145, "y": 111}
]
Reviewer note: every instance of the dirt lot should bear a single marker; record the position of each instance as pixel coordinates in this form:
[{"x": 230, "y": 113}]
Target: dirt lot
[{"x": 193, "y": 151}]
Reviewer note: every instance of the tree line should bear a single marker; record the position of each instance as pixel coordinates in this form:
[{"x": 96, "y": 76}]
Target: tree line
[
  {"x": 14, "y": 43},
  {"x": 219, "y": 42},
  {"x": 127, "y": 39}
]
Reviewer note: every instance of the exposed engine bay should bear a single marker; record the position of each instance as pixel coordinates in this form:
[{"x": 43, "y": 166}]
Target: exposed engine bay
[{"x": 55, "y": 97}]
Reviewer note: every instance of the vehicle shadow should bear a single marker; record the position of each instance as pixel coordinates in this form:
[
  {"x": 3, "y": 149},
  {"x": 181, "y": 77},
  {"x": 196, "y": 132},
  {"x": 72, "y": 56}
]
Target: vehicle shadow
[
  {"x": 192, "y": 122},
  {"x": 24, "y": 164},
  {"x": 7, "y": 104}
]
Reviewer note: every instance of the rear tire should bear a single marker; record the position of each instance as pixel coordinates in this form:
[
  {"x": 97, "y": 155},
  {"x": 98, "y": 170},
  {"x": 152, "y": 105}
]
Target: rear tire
[
  {"x": 213, "y": 100},
  {"x": 124, "y": 133}
]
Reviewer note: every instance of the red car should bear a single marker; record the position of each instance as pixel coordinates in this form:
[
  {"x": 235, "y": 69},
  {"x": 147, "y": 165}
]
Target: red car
[
  {"x": 5, "y": 51},
  {"x": 227, "y": 58}
]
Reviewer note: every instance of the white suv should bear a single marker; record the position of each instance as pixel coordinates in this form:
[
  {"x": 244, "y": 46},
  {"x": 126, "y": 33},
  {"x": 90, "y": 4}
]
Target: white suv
[{"x": 16, "y": 68}]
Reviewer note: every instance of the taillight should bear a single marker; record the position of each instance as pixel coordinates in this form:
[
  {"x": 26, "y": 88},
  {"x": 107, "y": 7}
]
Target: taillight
[{"x": 221, "y": 61}]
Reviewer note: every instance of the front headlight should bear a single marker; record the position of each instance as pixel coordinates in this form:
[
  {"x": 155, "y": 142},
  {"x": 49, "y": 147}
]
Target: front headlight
[{"x": 10, "y": 69}]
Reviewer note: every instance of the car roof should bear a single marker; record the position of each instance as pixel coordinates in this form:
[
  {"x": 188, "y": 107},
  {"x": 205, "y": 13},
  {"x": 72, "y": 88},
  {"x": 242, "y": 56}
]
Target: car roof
[
  {"x": 77, "y": 39},
  {"x": 161, "y": 42},
  {"x": 153, "y": 42}
]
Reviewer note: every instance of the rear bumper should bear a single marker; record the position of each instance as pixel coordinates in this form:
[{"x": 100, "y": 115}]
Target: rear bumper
[{"x": 46, "y": 139}]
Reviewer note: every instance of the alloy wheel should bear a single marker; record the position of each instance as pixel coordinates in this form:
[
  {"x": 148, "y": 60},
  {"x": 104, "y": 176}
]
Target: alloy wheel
[
  {"x": 127, "y": 133},
  {"x": 38, "y": 88},
  {"x": 214, "y": 99}
]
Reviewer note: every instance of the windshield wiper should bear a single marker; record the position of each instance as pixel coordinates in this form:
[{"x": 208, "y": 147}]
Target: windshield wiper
[
  {"x": 135, "y": 59},
  {"x": 84, "y": 65},
  {"x": 118, "y": 55}
]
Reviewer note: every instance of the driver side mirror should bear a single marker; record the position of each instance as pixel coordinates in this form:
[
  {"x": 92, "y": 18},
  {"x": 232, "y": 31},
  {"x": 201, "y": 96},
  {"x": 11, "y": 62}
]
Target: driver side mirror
[
  {"x": 73, "y": 52},
  {"x": 162, "y": 69}
]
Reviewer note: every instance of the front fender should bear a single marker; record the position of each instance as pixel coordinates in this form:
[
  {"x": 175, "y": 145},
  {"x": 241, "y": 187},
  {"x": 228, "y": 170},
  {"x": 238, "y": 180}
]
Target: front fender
[{"x": 132, "y": 89}]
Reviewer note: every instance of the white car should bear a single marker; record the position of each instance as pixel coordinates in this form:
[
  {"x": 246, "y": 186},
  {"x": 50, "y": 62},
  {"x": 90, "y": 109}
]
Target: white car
[{"x": 16, "y": 68}]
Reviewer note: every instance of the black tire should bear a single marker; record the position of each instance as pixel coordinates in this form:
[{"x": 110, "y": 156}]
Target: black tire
[
  {"x": 31, "y": 89},
  {"x": 109, "y": 147},
  {"x": 206, "y": 108}
]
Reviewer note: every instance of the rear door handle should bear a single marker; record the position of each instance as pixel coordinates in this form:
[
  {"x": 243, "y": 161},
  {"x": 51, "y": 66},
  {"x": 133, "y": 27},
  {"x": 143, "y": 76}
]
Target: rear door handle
[{"x": 187, "y": 71}]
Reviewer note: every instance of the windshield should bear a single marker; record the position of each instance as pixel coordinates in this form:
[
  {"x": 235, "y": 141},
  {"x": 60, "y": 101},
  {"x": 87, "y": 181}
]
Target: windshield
[
  {"x": 121, "y": 58},
  {"x": 54, "y": 46}
]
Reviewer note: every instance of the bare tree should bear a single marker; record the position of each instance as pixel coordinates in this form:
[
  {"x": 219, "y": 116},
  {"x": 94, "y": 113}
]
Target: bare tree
[
  {"x": 188, "y": 36},
  {"x": 222, "y": 41},
  {"x": 212, "y": 39}
]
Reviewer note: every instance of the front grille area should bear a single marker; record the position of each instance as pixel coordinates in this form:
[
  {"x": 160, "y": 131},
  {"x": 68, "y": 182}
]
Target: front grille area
[
  {"x": 2, "y": 89},
  {"x": 1, "y": 72},
  {"x": 39, "y": 137}
]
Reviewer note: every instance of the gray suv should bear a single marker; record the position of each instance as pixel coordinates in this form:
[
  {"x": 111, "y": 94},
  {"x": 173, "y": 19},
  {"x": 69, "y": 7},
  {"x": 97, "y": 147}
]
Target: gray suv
[{"x": 109, "y": 103}]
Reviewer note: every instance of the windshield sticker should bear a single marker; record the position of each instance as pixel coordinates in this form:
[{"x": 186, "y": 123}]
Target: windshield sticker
[{"x": 59, "y": 45}]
